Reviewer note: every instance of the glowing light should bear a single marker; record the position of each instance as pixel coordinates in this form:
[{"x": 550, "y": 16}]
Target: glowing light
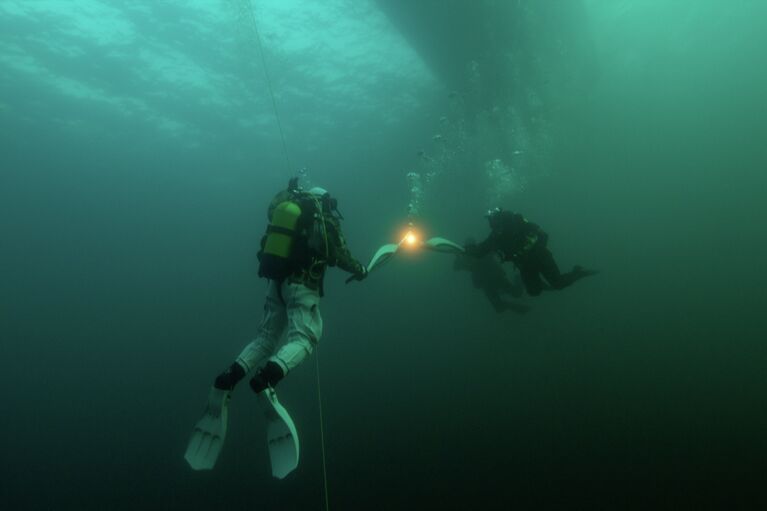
[{"x": 411, "y": 239}]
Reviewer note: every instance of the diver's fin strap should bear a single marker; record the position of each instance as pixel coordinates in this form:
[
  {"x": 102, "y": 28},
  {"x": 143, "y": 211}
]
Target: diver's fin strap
[{"x": 280, "y": 230}]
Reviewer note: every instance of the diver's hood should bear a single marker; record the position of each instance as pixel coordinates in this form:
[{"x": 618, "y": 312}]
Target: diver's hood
[
  {"x": 318, "y": 191},
  {"x": 329, "y": 204},
  {"x": 494, "y": 217}
]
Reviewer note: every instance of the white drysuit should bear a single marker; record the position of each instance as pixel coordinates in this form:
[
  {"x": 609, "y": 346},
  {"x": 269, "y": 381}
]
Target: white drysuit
[{"x": 292, "y": 307}]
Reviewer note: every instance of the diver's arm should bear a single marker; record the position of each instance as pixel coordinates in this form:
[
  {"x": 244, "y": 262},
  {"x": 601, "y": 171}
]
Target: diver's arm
[
  {"x": 340, "y": 254},
  {"x": 483, "y": 248},
  {"x": 532, "y": 234}
]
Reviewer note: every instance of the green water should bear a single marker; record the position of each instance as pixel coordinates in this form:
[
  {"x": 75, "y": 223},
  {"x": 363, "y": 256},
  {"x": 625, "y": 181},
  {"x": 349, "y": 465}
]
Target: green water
[{"x": 138, "y": 153}]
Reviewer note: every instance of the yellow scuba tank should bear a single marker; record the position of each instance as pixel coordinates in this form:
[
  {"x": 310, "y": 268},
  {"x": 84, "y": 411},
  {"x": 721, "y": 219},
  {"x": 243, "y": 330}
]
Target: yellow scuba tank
[
  {"x": 280, "y": 246},
  {"x": 295, "y": 235},
  {"x": 282, "y": 229}
]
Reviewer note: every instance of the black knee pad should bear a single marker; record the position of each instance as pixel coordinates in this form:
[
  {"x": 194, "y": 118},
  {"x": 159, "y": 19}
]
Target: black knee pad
[
  {"x": 267, "y": 376},
  {"x": 229, "y": 378}
]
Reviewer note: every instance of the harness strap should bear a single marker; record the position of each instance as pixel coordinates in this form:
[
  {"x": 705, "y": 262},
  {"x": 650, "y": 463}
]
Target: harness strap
[
  {"x": 279, "y": 283},
  {"x": 280, "y": 230}
]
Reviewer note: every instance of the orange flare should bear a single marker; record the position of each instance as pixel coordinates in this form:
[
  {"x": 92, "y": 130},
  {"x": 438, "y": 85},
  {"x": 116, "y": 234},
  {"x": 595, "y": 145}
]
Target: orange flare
[{"x": 411, "y": 239}]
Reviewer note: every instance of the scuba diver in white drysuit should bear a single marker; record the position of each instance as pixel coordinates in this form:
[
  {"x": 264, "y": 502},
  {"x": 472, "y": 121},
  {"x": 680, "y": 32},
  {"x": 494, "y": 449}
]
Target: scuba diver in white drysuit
[{"x": 303, "y": 238}]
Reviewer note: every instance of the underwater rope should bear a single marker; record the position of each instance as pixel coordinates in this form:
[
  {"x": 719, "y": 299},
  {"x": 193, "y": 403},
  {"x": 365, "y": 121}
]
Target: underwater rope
[
  {"x": 322, "y": 428},
  {"x": 251, "y": 14},
  {"x": 252, "y": 19}
]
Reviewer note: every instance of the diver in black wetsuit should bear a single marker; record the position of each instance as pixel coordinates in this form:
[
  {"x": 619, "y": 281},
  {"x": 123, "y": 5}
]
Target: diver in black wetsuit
[
  {"x": 488, "y": 275},
  {"x": 524, "y": 243}
]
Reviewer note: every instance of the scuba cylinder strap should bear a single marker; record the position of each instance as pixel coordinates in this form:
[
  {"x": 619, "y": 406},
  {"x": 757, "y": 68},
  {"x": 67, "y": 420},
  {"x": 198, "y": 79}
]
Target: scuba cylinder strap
[{"x": 280, "y": 230}]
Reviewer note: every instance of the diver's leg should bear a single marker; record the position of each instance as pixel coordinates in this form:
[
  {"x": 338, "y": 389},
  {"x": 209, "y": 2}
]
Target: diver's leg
[
  {"x": 304, "y": 324},
  {"x": 209, "y": 433},
  {"x": 269, "y": 332},
  {"x": 495, "y": 299},
  {"x": 531, "y": 278},
  {"x": 550, "y": 270},
  {"x": 504, "y": 285},
  {"x": 519, "y": 308},
  {"x": 559, "y": 280},
  {"x": 516, "y": 287},
  {"x": 501, "y": 305}
]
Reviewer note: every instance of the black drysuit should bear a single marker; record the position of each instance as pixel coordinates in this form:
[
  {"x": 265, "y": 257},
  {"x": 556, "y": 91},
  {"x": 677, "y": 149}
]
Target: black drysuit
[
  {"x": 524, "y": 243},
  {"x": 488, "y": 275}
]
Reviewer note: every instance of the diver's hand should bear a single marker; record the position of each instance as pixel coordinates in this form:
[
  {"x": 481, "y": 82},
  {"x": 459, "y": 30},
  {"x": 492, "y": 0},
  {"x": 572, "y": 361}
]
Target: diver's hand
[
  {"x": 360, "y": 274},
  {"x": 471, "y": 249}
]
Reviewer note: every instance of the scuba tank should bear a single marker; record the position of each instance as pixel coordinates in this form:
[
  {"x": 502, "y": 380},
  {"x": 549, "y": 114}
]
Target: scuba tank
[
  {"x": 282, "y": 229},
  {"x": 277, "y": 255},
  {"x": 291, "y": 239}
]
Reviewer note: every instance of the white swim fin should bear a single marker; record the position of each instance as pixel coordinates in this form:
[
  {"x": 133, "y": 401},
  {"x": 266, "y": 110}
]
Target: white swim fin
[
  {"x": 382, "y": 255},
  {"x": 443, "y": 245},
  {"x": 209, "y": 432},
  {"x": 436, "y": 244},
  {"x": 281, "y": 435}
]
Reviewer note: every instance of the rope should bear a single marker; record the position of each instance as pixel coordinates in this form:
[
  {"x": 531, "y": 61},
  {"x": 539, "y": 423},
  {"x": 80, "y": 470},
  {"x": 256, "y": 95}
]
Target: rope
[
  {"x": 322, "y": 429},
  {"x": 252, "y": 19}
]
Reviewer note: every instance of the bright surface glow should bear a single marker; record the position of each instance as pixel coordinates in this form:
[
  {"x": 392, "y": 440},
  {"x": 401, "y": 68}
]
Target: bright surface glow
[{"x": 179, "y": 67}]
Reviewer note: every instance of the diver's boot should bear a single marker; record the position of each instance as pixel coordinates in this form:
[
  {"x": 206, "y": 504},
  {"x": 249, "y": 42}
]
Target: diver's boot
[
  {"x": 519, "y": 308},
  {"x": 267, "y": 377},
  {"x": 517, "y": 291},
  {"x": 579, "y": 272},
  {"x": 229, "y": 378}
]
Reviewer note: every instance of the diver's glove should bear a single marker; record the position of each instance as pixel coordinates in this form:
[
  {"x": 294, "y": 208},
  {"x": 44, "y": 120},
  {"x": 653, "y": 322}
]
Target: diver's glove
[
  {"x": 471, "y": 249},
  {"x": 360, "y": 273}
]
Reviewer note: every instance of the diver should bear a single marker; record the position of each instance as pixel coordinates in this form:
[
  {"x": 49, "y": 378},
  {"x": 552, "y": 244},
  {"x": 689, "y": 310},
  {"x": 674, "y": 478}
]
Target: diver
[
  {"x": 488, "y": 275},
  {"x": 303, "y": 238},
  {"x": 525, "y": 244}
]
